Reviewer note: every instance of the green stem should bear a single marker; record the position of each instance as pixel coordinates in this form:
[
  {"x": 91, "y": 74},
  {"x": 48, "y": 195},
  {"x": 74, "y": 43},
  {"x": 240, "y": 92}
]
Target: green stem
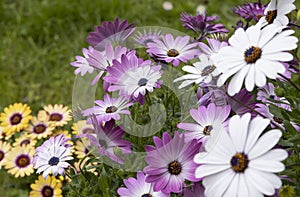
[{"x": 288, "y": 80}]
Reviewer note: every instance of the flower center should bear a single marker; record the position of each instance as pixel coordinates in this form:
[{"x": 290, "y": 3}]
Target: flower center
[
  {"x": 1, "y": 155},
  {"x": 88, "y": 130},
  {"x": 278, "y": 120},
  {"x": 239, "y": 162},
  {"x": 252, "y": 54},
  {"x": 208, "y": 70},
  {"x": 23, "y": 161},
  {"x": 172, "y": 53},
  {"x": 56, "y": 117},
  {"x": 103, "y": 143},
  {"x": 271, "y": 15},
  {"x": 146, "y": 195},
  {"x": 207, "y": 130},
  {"x": 40, "y": 128},
  {"x": 25, "y": 142},
  {"x": 53, "y": 161},
  {"x": 174, "y": 167},
  {"x": 111, "y": 109},
  {"x": 47, "y": 191},
  {"x": 15, "y": 119},
  {"x": 142, "y": 82}
]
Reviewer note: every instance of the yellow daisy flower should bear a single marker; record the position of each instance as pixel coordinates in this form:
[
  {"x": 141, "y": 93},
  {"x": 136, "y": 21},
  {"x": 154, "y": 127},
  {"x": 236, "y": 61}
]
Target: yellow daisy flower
[
  {"x": 15, "y": 118},
  {"x": 4, "y": 149},
  {"x": 39, "y": 128},
  {"x": 25, "y": 139},
  {"x": 51, "y": 187},
  {"x": 81, "y": 149},
  {"x": 3, "y": 135},
  {"x": 58, "y": 114},
  {"x": 19, "y": 161},
  {"x": 81, "y": 127}
]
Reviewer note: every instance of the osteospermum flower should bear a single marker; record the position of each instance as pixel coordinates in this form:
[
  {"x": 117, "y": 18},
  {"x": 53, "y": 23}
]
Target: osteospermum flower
[
  {"x": 170, "y": 163},
  {"x": 4, "y": 148},
  {"x": 250, "y": 11},
  {"x": 109, "y": 108},
  {"x": 170, "y": 50},
  {"x": 110, "y": 32},
  {"x": 139, "y": 187},
  {"x": 276, "y": 11},
  {"x": 210, "y": 121},
  {"x": 25, "y": 140},
  {"x": 52, "y": 158},
  {"x": 253, "y": 56},
  {"x": 15, "y": 118},
  {"x": 50, "y": 187},
  {"x": 19, "y": 161},
  {"x": 81, "y": 127},
  {"x": 82, "y": 64},
  {"x": 39, "y": 128},
  {"x": 202, "y": 71},
  {"x": 147, "y": 36},
  {"x": 242, "y": 162},
  {"x": 59, "y": 115},
  {"x": 133, "y": 77}
]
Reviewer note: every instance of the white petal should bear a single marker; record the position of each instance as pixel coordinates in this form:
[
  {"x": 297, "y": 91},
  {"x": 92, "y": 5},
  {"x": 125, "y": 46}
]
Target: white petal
[
  {"x": 232, "y": 190},
  {"x": 270, "y": 68},
  {"x": 275, "y": 154},
  {"x": 280, "y": 42},
  {"x": 243, "y": 189},
  {"x": 237, "y": 80},
  {"x": 260, "y": 78},
  {"x": 266, "y": 165},
  {"x": 254, "y": 33},
  {"x": 279, "y": 56},
  {"x": 267, "y": 34},
  {"x": 240, "y": 39},
  {"x": 207, "y": 170}
]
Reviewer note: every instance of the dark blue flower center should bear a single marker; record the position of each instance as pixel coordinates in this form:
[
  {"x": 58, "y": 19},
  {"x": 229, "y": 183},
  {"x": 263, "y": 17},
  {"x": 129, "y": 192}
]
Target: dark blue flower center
[
  {"x": 207, "y": 130},
  {"x": 172, "y": 53},
  {"x": 111, "y": 109},
  {"x": 239, "y": 162},
  {"x": 174, "y": 167},
  {"x": 53, "y": 161},
  {"x": 142, "y": 82},
  {"x": 208, "y": 70},
  {"x": 252, "y": 54},
  {"x": 47, "y": 191}
]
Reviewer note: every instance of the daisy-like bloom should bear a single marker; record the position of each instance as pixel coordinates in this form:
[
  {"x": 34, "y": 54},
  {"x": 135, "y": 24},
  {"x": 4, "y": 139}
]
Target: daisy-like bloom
[
  {"x": 39, "y": 128},
  {"x": 107, "y": 138},
  {"x": 81, "y": 127},
  {"x": 139, "y": 187},
  {"x": 4, "y": 148},
  {"x": 81, "y": 149},
  {"x": 210, "y": 121},
  {"x": 133, "y": 77},
  {"x": 202, "y": 24},
  {"x": 115, "y": 32},
  {"x": 213, "y": 46},
  {"x": 197, "y": 191},
  {"x": 59, "y": 115},
  {"x": 170, "y": 163},
  {"x": 250, "y": 11},
  {"x": 82, "y": 64},
  {"x": 254, "y": 55},
  {"x": 101, "y": 60},
  {"x": 3, "y": 135},
  {"x": 52, "y": 157},
  {"x": 202, "y": 71},
  {"x": 242, "y": 162},
  {"x": 15, "y": 118},
  {"x": 266, "y": 92},
  {"x": 170, "y": 50},
  {"x": 50, "y": 187},
  {"x": 276, "y": 11},
  {"x": 66, "y": 134},
  {"x": 25, "y": 140},
  {"x": 109, "y": 108},
  {"x": 19, "y": 161},
  {"x": 147, "y": 36}
]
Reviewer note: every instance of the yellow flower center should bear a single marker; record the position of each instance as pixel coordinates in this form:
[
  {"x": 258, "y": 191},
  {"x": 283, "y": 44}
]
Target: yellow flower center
[
  {"x": 146, "y": 195},
  {"x": 55, "y": 117},
  {"x": 23, "y": 161},
  {"x": 174, "y": 167},
  {"x": 47, "y": 191},
  {"x": 252, "y": 54},
  {"x": 207, "y": 130},
  {"x": 239, "y": 162},
  {"x": 39, "y": 129},
  {"x": 15, "y": 119},
  {"x": 172, "y": 53},
  {"x": 271, "y": 15},
  {"x": 208, "y": 70},
  {"x": 111, "y": 109},
  {"x": 1, "y": 155}
]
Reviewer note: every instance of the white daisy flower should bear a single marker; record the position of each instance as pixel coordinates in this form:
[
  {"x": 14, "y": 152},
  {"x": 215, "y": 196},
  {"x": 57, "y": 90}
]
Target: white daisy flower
[
  {"x": 253, "y": 55},
  {"x": 242, "y": 163},
  {"x": 275, "y": 13},
  {"x": 202, "y": 71}
]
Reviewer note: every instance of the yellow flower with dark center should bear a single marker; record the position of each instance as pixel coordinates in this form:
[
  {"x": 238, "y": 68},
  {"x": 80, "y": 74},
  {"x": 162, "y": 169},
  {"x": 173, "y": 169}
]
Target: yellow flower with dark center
[
  {"x": 39, "y": 128},
  {"x": 51, "y": 187},
  {"x": 59, "y": 115},
  {"x": 26, "y": 140},
  {"x": 4, "y": 148},
  {"x": 81, "y": 127},
  {"x": 15, "y": 118},
  {"x": 19, "y": 161}
]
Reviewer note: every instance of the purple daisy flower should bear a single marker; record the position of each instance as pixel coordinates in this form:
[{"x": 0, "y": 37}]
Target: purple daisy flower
[
  {"x": 147, "y": 36},
  {"x": 82, "y": 64},
  {"x": 170, "y": 50},
  {"x": 170, "y": 163},
  {"x": 201, "y": 24},
  {"x": 139, "y": 187},
  {"x": 133, "y": 77},
  {"x": 210, "y": 120},
  {"x": 213, "y": 46},
  {"x": 101, "y": 60},
  {"x": 107, "y": 139},
  {"x": 250, "y": 11},
  {"x": 109, "y": 108},
  {"x": 115, "y": 32}
]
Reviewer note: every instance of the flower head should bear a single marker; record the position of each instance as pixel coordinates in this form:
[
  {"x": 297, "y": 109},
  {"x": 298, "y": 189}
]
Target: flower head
[
  {"x": 49, "y": 187},
  {"x": 39, "y": 128},
  {"x": 253, "y": 56},
  {"x": 25, "y": 140},
  {"x": 242, "y": 162},
  {"x": 59, "y": 115},
  {"x": 139, "y": 187},
  {"x": 82, "y": 64},
  {"x": 4, "y": 148},
  {"x": 170, "y": 163},
  {"x": 170, "y": 50},
  {"x": 250, "y": 11},
  {"x": 143, "y": 38}
]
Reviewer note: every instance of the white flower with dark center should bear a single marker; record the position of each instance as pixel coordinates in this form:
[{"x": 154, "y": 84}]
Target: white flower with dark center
[
  {"x": 242, "y": 163},
  {"x": 202, "y": 71},
  {"x": 254, "y": 55},
  {"x": 275, "y": 13}
]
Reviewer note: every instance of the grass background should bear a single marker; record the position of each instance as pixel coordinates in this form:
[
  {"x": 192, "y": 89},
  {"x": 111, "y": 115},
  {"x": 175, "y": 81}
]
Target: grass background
[{"x": 39, "y": 38}]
